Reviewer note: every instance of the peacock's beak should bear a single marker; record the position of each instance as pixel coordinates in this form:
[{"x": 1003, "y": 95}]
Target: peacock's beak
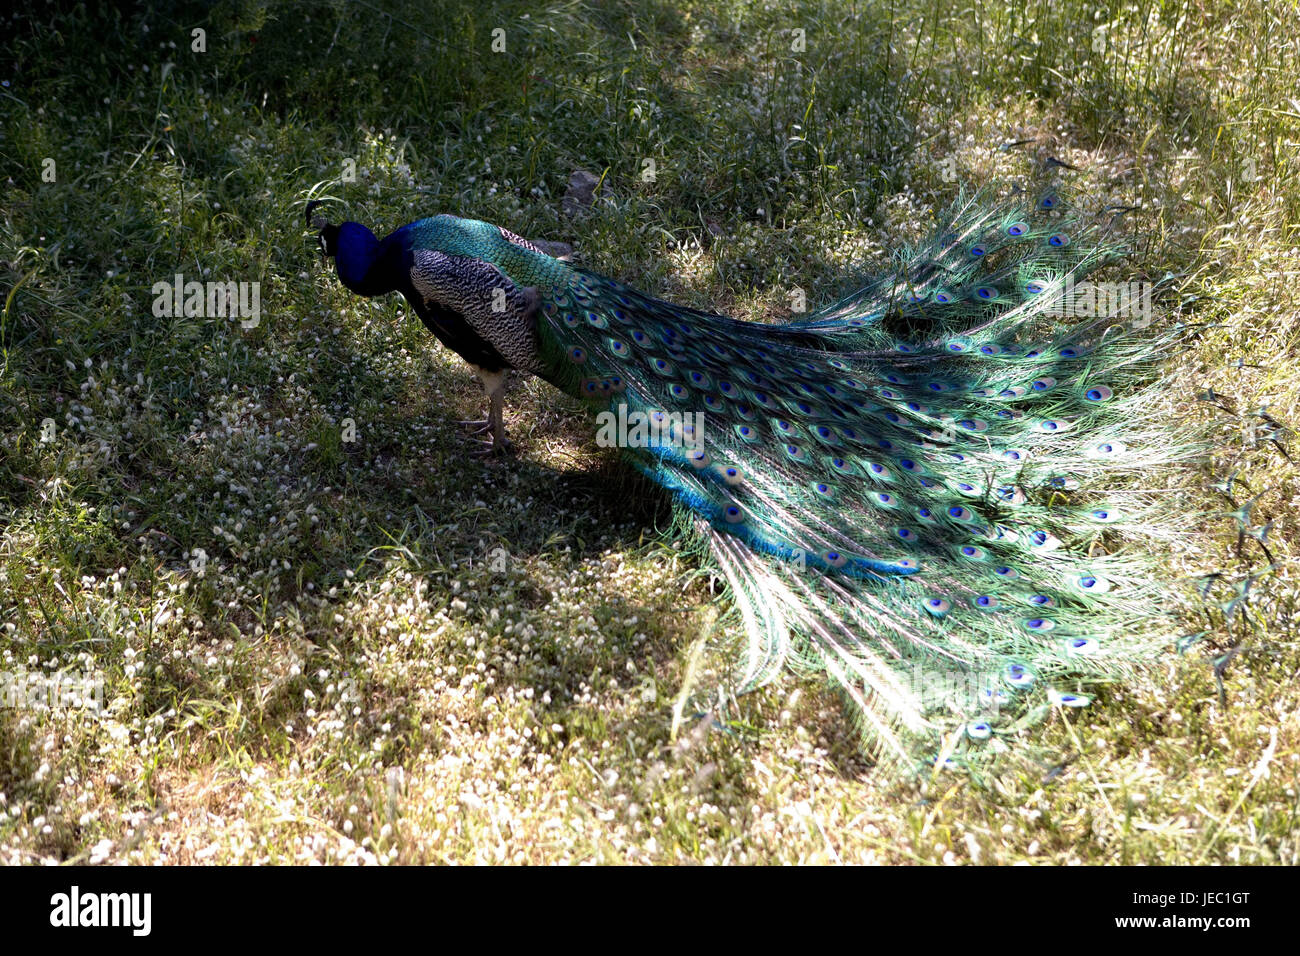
[
  {"x": 328, "y": 235},
  {"x": 328, "y": 238}
]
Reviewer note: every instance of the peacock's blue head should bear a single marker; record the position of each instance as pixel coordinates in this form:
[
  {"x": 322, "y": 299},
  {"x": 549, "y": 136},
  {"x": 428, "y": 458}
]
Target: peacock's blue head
[
  {"x": 356, "y": 254},
  {"x": 354, "y": 248}
]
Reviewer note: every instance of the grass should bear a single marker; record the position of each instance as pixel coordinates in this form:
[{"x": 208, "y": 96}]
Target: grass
[{"x": 314, "y": 649}]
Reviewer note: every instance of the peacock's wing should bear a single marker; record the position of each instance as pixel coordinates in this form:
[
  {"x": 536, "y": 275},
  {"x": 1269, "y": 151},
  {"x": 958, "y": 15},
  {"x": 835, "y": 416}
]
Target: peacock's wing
[{"x": 902, "y": 490}]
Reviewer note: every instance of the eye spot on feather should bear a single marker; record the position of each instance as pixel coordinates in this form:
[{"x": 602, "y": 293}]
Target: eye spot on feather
[
  {"x": 1081, "y": 646},
  {"x": 978, "y": 250},
  {"x": 973, "y": 552},
  {"x": 937, "y": 606},
  {"x": 1043, "y": 541},
  {"x": 943, "y": 298},
  {"x": 577, "y": 355},
  {"x": 1017, "y": 229},
  {"x": 1098, "y": 393},
  {"x": 985, "y": 602},
  {"x": 1033, "y": 288},
  {"x": 993, "y": 698},
  {"x": 979, "y": 731},
  {"x": 1068, "y": 700},
  {"x": 1018, "y": 676},
  {"x": 1092, "y": 584},
  {"x": 1043, "y": 600},
  {"x": 733, "y": 514},
  {"x": 1108, "y": 448},
  {"x": 796, "y": 453},
  {"x": 730, "y": 474},
  {"x": 986, "y": 292},
  {"x": 1058, "y": 240}
]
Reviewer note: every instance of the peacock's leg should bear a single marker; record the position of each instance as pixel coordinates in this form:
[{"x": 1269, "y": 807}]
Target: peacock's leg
[{"x": 494, "y": 383}]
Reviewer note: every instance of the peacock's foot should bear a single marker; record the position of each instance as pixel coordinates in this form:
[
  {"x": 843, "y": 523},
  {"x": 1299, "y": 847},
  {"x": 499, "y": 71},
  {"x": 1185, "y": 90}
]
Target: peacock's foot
[
  {"x": 498, "y": 445},
  {"x": 475, "y": 426}
]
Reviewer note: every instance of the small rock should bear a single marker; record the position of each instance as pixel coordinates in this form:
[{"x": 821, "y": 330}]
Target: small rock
[
  {"x": 581, "y": 194},
  {"x": 558, "y": 250}
]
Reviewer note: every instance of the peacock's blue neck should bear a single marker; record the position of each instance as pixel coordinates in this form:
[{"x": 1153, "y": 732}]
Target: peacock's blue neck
[{"x": 363, "y": 261}]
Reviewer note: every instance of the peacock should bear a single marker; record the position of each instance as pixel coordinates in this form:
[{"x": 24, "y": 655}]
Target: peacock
[{"x": 904, "y": 492}]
